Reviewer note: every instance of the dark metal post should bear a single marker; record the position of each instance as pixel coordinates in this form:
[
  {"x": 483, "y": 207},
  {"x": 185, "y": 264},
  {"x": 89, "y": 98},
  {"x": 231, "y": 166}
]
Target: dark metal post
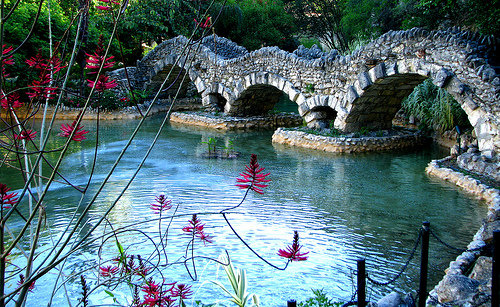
[
  {"x": 495, "y": 274},
  {"x": 424, "y": 261},
  {"x": 291, "y": 303},
  {"x": 361, "y": 283}
]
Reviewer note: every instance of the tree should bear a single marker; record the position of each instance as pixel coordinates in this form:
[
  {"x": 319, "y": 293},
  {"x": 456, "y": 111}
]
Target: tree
[{"x": 322, "y": 19}]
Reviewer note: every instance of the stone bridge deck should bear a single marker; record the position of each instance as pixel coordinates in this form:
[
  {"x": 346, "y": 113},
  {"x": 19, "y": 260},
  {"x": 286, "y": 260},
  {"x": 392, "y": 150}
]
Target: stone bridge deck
[{"x": 364, "y": 89}]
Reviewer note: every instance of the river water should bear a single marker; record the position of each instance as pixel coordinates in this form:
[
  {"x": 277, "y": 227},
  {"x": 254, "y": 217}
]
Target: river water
[{"x": 345, "y": 206}]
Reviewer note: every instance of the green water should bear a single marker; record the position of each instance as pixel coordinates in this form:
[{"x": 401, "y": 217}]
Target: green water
[{"x": 344, "y": 207}]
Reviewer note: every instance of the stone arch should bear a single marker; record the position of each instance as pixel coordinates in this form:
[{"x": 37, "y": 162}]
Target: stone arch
[
  {"x": 321, "y": 117},
  {"x": 376, "y": 96},
  {"x": 258, "y": 93},
  {"x": 170, "y": 66},
  {"x": 214, "y": 102}
]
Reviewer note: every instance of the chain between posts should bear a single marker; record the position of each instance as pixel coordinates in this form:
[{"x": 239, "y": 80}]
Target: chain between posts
[
  {"x": 403, "y": 269},
  {"x": 460, "y": 250}
]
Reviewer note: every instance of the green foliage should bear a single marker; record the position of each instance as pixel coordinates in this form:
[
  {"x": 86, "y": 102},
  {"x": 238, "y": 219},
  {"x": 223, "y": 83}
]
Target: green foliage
[
  {"x": 435, "y": 108},
  {"x": 138, "y": 96},
  {"x": 319, "y": 300},
  {"x": 365, "y": 19},
  {"x": 211, "y": 145},
  {"x": 17, "y": 29},
  {"x": 309, "y": 88},
  {"x": 238, "y": 292},
  {"x": 308, "y": 42},
  {"x": 258, "y": 23}
]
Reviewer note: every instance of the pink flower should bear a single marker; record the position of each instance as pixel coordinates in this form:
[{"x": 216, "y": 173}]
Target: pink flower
[
  {"x": 68, "y": 129},
  {"x": 293, "y": 252},
  {"x": 25, "y": 135},
  {"x": 105, "y": 7},
  {"x": 7, "y": 198},
  {"x": 251, "y": 178},
  {"x": 108, "y": 271},
  {"x": 183, "y": 291},
  {"x": 163, "y": 204},
  {"x": 11, "y": 101}
]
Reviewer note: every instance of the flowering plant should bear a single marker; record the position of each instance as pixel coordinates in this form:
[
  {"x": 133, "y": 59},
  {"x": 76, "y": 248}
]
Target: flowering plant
[{"x": 39, "y": 149}]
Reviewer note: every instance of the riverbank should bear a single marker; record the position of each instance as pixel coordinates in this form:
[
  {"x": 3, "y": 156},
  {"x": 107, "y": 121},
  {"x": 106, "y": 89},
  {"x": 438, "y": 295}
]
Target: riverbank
[
  {"x": 135, "y": 112},
  {"x": 467, "y": 280}
]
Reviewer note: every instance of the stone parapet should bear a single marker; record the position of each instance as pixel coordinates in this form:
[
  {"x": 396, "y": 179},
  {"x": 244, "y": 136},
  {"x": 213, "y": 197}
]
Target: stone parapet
[
  {"x": 348, "y": 144},
  {"x": 223, "y": 122},
  {"x": 460, "y": 286}
]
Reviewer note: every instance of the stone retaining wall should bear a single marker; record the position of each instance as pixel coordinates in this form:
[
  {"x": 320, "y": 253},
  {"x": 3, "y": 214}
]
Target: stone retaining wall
[
  {"x": 347, "y": 144},
  {"x": 223, "y": 122},
  {"x": 69, "y": 113},
  {"x": 460, "y": 286}
]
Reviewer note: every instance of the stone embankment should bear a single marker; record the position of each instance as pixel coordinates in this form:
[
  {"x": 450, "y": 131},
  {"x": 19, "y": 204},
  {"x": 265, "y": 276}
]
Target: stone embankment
[
  {"x": 224, "y": 122},
  {"x": 70, "y": 113},
  {"x": 402, "y": 139},
  {"x": 468, "y": 278}
]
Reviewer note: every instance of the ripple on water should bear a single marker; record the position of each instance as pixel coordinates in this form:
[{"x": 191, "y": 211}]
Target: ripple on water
[{"x": 344, "y": 207}]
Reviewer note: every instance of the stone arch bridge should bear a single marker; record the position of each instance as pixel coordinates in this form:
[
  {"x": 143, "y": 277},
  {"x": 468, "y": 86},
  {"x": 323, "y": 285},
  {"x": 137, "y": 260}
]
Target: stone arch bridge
[{"x": 364, "y": 89}]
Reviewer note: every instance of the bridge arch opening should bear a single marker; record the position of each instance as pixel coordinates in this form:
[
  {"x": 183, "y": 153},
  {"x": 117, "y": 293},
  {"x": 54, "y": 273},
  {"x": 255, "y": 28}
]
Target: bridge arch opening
[
  {"x": 216, "y": 102},
  {"x": 380, "y": 106},
  {"x": 173, "y": 83},
  {"x": 321, "y": 117},
  {"x": 257, "y": 100}
]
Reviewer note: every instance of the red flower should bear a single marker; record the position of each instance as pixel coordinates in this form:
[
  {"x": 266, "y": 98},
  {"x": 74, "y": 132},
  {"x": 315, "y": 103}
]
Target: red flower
[
  {"x": 251, "y": 178},
  {"x": 106, "y": 8},
  {"x": 95, "y": 61},
  {"x": 6, "y": 61},
  {"x": 197, "y": 228},
  {"x": 183, "y": 291},
  {"x": 11, "y": 101},
  {"x": 21, "y": 281},
  {"x": 7, "y": 198},
  {"x": 156, "y": 295},
  {"x": 103, "y": 83},
  {"x": 25, "y": 135},
  {"x": 40, "y": 88},
  {"x": 207, "y": 24},
  {"x": 108, "y": 271},
  {"x": 39, "y": 62},
  {"x": 293, "y": 252},
  {"x": 163, "y": 204},
  {"x": 204, "y": 237},
  {"x": 68, "y": 129}
]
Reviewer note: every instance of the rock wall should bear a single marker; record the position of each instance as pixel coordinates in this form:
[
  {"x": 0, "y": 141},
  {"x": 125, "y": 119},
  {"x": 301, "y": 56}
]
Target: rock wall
[
  {"x": 347, "y": 144},
  {"x": 468, "y": 278},
  {"x": 222, "y": 122}
]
